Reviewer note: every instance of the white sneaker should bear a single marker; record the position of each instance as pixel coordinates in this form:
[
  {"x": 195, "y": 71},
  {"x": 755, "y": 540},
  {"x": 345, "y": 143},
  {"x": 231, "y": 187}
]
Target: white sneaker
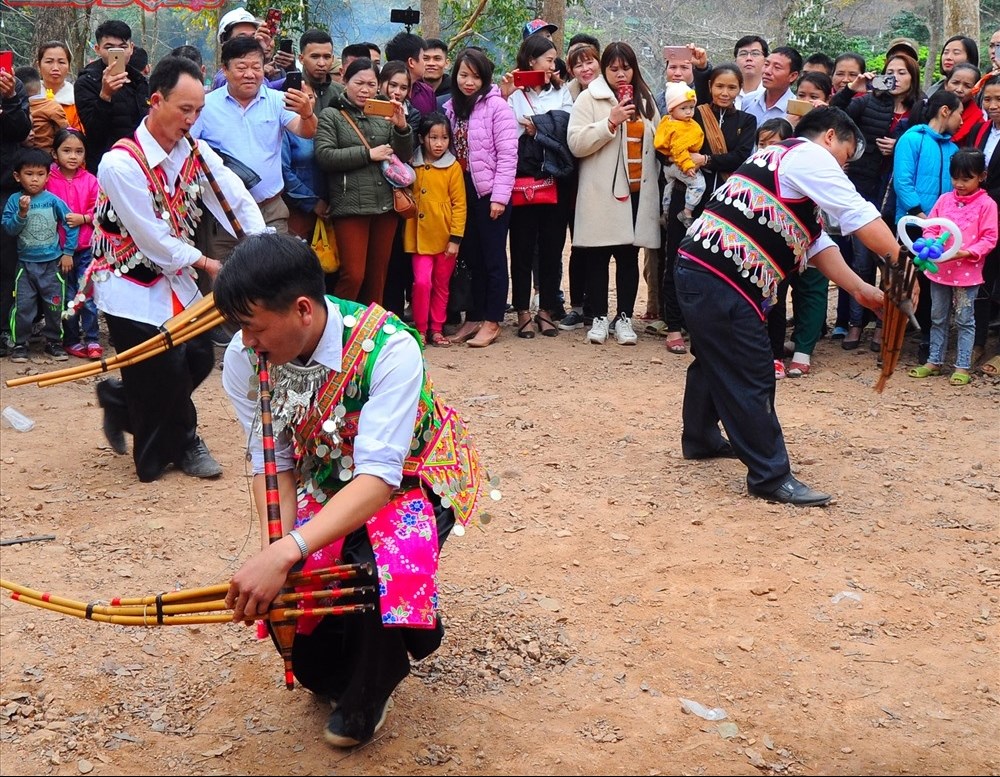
[
  {"x": 598, "y": 331},
  {"x": 624, "y": 333}
]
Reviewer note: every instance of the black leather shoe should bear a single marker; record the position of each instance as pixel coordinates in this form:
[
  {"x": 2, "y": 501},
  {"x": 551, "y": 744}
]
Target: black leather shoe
[
  {"x": 114, "y": 433},
  {"x": 724, "y": 451},
  {"x": 198, "y": 462},
  {"x": 337, "y": 731},
  {"x": 793, "y": 492}
]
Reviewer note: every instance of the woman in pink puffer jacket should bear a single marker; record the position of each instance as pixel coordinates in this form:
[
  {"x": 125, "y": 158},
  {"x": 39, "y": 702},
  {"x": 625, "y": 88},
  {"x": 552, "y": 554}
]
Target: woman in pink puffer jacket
[{"x": 484, "y": 137}]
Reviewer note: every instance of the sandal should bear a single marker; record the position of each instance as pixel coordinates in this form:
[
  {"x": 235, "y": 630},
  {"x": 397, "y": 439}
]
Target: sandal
[
  {"x": 991, "y": 367},
  {"x": 960, "y": 379},
  {"x": 544, "y": 321},
  {"x": 656, "y": 327},
  {"x": 438, "y": 340},
  {"x": 923, "y": 371},
  {"x": 676, "y": 343},
  {"x": 524, "y": 329},
  {"x": 797, "y": 369}
]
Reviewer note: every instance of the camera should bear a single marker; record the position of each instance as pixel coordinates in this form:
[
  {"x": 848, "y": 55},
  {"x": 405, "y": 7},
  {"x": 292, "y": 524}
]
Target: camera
[
  {"x": 407, "y": 16},
  {"x": 884, "y": 83}
]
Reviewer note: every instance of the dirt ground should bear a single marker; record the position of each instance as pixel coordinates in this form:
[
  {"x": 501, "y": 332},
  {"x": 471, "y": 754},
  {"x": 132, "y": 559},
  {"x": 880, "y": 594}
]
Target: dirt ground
[{"x": 615, "y": 580}]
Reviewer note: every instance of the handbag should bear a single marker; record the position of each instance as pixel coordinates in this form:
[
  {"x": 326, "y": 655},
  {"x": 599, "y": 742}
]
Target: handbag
[
  {"x": 325, "y": 247},
  {"x": 403, "y": 203},
  {"x": 529, "y": 190},
  {"x": 402, "y": 197},
  {"x": 460, "y": 289}
]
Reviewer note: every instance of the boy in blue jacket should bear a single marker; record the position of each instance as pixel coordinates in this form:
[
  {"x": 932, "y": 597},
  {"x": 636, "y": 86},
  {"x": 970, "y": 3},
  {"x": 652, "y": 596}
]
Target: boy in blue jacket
[{"x": 34, "y": 216}]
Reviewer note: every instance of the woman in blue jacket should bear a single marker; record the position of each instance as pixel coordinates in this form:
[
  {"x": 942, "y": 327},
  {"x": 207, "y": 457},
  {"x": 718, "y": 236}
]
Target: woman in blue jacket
[{"x": 921, "y": 174}]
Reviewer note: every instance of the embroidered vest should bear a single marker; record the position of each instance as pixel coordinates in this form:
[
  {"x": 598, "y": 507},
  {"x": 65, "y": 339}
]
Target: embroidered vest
[
  {"x": 113, "y": 248},
  {"x": 749, "y": 234},
  {"x": 321, "y": 408}
]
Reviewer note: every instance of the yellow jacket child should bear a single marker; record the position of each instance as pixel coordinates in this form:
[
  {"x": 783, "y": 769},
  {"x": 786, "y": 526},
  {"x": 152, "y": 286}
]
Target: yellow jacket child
[
  {"x": 678, "y": 139},
  {"x": 439, "y": 192}
]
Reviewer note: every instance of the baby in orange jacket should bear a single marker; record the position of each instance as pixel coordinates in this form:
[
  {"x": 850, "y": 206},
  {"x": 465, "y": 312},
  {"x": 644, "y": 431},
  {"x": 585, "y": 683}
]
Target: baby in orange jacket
[{"x": 677, "y": 137}]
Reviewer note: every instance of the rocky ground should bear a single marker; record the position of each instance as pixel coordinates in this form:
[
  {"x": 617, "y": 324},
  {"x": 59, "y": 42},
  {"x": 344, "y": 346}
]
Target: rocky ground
[{"x": 618, "y": 588}]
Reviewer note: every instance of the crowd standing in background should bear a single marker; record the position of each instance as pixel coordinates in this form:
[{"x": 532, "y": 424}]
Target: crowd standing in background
[{"x": 566, "y": 144}]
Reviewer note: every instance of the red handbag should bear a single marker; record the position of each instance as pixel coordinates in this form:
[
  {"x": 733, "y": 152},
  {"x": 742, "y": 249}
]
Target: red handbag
[{"x": 529, "y": 190}]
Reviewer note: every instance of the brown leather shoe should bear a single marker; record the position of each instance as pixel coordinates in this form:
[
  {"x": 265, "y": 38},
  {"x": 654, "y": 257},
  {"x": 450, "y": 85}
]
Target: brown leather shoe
[{"x": 488, "y": 334}]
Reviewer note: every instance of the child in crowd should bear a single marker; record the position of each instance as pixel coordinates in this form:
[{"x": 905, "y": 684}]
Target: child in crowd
[
  {"x": 677, "y": 136},
  {"x": 957, "y": 280},
  {"x": 35, "y": 215},
  {"x": 434, "y": 236},
  {"x": 773, "y": 131},
  {"x": 71, "y": 182},
  {"x": 47, "y": 115}
]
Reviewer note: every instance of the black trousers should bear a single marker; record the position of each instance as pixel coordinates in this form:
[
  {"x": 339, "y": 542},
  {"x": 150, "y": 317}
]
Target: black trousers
[
  {"x": 597, "y": 261},
  {"x": 399, "y": 277},
  {"x": 152, "y": 401},
  {"x": 542, "y": 227},
  {"x": 987, "y": 296},
  {"x": 730, "y": 379},
  {"x": 354, "y": 659}
]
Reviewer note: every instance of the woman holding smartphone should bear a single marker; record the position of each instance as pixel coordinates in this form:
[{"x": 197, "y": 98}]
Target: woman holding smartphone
[
  {"x": 538, "y": 231},
  {"x": 882, "y": 116},
  {"x": 350, "y": 147},
  {"x": 611, "y": 131}
]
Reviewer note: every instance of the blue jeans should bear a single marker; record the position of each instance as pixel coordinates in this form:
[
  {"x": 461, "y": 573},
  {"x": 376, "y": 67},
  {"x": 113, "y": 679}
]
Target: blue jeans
[
  {"x": 86, "y": 313},
  {"x": 964, "y": 298}
]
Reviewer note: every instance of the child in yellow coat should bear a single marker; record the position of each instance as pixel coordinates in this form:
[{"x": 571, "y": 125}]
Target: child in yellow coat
[
  {"x": 433, "y": 237},
  {"x": 677, "y": 137}
]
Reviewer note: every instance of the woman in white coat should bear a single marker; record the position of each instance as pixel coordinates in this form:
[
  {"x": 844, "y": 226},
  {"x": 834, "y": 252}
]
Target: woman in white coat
[{"x": 618, "y": 202}]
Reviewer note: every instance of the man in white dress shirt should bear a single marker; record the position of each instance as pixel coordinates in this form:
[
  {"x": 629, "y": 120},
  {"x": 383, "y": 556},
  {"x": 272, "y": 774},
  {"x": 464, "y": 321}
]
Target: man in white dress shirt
[{"x": 153, "y": 193}]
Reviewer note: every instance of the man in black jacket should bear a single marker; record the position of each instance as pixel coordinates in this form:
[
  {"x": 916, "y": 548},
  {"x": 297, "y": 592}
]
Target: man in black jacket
[
  {"x": 110, "y": 105},
  {"x": 15, "y": 125}
]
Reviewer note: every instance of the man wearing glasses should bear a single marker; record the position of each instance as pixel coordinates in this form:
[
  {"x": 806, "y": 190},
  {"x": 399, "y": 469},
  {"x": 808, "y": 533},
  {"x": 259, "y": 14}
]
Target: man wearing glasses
[
  {"x": 749, "y": 54},
  {"x": 757, "y": 229}
]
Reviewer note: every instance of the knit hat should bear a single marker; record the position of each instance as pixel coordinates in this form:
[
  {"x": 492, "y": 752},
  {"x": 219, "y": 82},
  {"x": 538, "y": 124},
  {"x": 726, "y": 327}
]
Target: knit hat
[
  {"x": 537, "y": 25},
  {"x": 676, "y": 94}
]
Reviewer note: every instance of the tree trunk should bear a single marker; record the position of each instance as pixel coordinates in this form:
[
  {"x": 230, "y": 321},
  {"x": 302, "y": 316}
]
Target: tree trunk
[
  {"x": 935, "y": 11},
  {"x": 554, "y": 12},
  {"x": 961, "y": 17},
  {"x": 430, "y": 18}
]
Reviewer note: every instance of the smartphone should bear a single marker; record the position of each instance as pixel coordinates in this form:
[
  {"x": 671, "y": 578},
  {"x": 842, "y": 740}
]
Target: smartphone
[
  {"x": 625, "y": 93},
  {"x": 379, "y": 108},
  {"x": 798, "y": 107},
  {"x": 272, "y": 20},
  {"x": 116, "y": 61},
  {"x": 527, "y": 79},
  {"x": 285, "y": 45},
  {"x": 884, "y": 83},
  {"x": 676, "y": 54},
  {"x": 293, "y": 80},
  {"x": 7, "y": 61}
]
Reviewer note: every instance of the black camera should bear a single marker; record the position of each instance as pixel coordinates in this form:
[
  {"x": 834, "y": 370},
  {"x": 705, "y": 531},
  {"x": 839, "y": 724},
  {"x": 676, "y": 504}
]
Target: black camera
[{"x": 407, "y": 16}]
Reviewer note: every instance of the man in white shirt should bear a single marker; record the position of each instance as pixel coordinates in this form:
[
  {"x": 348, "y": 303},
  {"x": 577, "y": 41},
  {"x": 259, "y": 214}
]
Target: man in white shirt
[
  {"x": 352, "y": 413},
  {"x": 749, "y": 54},
  {"x": 153, "y": 193},
  {"x": 781, "y": 70},
  {"x": 765, "y": 217}
]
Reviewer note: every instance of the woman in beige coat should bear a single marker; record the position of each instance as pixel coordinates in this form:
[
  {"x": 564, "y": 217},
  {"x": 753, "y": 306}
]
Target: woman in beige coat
[{"x": 618, "y": 202}]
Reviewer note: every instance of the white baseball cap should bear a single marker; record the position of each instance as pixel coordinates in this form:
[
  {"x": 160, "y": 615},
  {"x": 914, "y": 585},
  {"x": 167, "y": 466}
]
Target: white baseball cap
[{"x": 234, "y": 17}]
